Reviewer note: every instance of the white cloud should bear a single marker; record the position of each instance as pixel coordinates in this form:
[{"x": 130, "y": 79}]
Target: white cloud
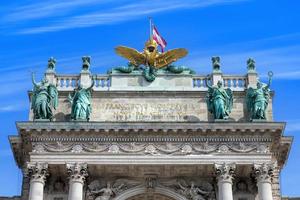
[
  {"x": 52, "y": 8},
  {"x": 293, "y": 125},
  {"x": 110, "y": 15},
  {"x": 16, "y": 106}
]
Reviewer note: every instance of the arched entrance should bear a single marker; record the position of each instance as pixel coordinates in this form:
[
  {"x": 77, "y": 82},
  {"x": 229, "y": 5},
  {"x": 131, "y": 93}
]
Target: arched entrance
[
  {"x": 150, "y": 197},
  {"x": 141, "y": 193}
]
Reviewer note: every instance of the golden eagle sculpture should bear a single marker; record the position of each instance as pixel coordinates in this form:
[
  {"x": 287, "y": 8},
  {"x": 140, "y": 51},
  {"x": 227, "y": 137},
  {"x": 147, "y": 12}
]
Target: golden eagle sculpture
[
  {"x": 150, "y": 56},
  {"x": 150, "y": 60}
]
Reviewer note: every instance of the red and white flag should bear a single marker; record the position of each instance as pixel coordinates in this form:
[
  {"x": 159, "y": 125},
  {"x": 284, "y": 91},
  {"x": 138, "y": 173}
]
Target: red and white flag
[{"x": 160, "y": 40}]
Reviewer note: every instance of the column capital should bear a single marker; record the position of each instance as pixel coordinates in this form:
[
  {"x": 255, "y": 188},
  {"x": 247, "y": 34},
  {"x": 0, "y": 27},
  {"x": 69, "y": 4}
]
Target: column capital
[
  {"x": 225, "y": 172},
  {"x": 37, "y": 172},
  {"x": 77, "y": 171},
  {"x": 264, "y": 172}
]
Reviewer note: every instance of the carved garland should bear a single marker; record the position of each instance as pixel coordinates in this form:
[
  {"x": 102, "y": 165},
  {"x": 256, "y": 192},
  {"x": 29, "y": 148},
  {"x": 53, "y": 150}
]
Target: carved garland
[{"x": 152, "y": 148}]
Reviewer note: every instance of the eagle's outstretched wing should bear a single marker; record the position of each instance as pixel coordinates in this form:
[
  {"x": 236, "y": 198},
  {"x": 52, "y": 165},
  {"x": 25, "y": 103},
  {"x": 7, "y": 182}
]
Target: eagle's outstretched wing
[
  {"x": 131, "y": 54},
  {"x": 168, "y": 57}
]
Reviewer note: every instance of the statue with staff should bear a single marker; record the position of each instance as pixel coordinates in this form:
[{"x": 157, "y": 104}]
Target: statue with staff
[
  {"x": 44, "y": 98},
  {"x": 258, "y": 99}
]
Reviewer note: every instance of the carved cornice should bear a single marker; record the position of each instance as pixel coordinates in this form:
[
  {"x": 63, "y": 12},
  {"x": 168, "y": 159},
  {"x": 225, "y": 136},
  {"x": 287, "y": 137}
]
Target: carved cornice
[
  {"x": 77, "y": 172},
  {"x": 137, "y": 127},
  {"x": 264, "y": 172},
  {"x": 37, "y": 172},
  {"x": 225, "y": 172}
]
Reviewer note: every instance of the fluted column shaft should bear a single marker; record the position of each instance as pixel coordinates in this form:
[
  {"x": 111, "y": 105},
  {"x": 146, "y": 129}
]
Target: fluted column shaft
[
  {"x": 225, "y": 174},
  {"x": 263, "y": 173},
  {"x": 77, "y": 174},
  {"x": 38, "y": 173}
]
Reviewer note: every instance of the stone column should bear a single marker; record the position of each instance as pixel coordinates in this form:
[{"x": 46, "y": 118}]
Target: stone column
[
  {"x": 263, "y": 173},
  {"x": 225, "y": 174},
  {"x": 77, "y": 174},
  {"x": 38, "y": 173}
]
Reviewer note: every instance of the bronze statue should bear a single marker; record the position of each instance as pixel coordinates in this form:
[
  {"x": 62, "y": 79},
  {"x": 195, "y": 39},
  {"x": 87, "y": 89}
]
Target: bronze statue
[
  {"x": 81, "y": 102},
  {"x": 44, "y": 98},
  {"x": 258, "y": 99},
  {"x": 219, "y": 101}
]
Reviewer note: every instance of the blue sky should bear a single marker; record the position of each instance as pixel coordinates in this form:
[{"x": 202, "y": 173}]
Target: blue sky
[{"x": 32, "y": 31}]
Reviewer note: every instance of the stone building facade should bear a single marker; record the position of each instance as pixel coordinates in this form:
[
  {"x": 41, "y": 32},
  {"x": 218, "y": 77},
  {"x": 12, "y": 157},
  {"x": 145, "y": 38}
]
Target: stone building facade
[{"x": 151, "y": 141}]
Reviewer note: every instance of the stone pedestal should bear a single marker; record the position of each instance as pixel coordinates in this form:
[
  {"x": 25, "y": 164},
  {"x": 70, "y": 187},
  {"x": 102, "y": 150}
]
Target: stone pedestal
[
  {"x": 225, "y": 176},
  {"x": 38, "y": 174},
  {"x": 263, "y": 174},
  {"x": 252, "y": 79},
  {"x": 78, "y": 173}
]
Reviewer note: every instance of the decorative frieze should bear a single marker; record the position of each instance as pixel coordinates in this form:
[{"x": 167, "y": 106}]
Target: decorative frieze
[{"x": 165, "y": 148}]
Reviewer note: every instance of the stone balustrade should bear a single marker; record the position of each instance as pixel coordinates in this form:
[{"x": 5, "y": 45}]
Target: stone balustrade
[{"x": 198, "y": 82}]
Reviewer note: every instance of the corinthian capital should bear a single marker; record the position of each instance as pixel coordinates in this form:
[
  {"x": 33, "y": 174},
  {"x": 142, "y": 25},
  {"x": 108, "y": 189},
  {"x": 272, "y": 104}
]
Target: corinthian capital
[
  {"x": 264, "y": 172},
  {"x": 37, "y": 172},
  {"x": 225, "y": 171},
  {"x": 77, "y": 171}
]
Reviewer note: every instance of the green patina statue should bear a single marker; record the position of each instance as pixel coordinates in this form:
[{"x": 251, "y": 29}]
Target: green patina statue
[
  {"x": 81, "y": 102},
  {"x": 258, "y": 99},
  {"x": 44, "y": 98},
  {"x": 216, "y": 64},
  {"x": 251, "y": 65},
  {"x": 219, "y": 100}
]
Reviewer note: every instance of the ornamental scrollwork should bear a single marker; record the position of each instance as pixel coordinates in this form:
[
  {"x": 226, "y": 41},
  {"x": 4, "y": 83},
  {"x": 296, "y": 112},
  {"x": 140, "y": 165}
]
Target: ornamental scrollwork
[{"x": 167, "y": 148}]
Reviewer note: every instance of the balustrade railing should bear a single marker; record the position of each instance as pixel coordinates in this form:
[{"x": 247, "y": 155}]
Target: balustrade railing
[
  {"x": 103, "y": 82},
  {"x": 67, "y": 82},
  {"x": 235, "y": 82},
  {"x": 200, "y": 81}
]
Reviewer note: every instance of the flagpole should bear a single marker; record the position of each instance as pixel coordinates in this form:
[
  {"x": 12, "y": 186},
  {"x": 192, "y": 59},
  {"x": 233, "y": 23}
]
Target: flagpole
[{"x": 150, "y": 23}]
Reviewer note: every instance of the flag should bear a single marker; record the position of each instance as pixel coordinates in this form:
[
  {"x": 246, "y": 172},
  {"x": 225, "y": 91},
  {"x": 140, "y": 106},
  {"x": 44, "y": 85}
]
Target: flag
[{"x": 157, "y": 37}]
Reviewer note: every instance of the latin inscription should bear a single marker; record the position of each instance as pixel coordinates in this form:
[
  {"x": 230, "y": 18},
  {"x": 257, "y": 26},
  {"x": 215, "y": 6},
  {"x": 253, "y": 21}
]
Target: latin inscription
[{"x": 146, "y": 111}]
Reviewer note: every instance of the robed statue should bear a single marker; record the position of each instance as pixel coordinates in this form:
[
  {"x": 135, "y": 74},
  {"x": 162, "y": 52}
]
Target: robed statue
[
  {"x": 81, "y": 102},
  {"x": 44, "y": 99},
  {"x": 258, "y": 99},
  {"x": 219, "y": 100}
]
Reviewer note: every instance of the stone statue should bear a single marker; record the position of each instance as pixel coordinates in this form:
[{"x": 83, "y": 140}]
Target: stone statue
[
  {"x": 219, "y": 100},
  {"x": 258, "y": 99},
  {"x": 44, "y": 98},
  {"x": 81, "y": 102}
]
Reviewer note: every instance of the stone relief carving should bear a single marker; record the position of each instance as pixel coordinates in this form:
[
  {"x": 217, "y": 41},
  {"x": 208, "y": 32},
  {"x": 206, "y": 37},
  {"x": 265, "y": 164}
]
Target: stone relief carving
[
  {"x": 152, "y": 148},
  {"x": 106, "y": 189},
  {"x": 190, "y": 188},
  {"x": 103, "y": 189}
]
